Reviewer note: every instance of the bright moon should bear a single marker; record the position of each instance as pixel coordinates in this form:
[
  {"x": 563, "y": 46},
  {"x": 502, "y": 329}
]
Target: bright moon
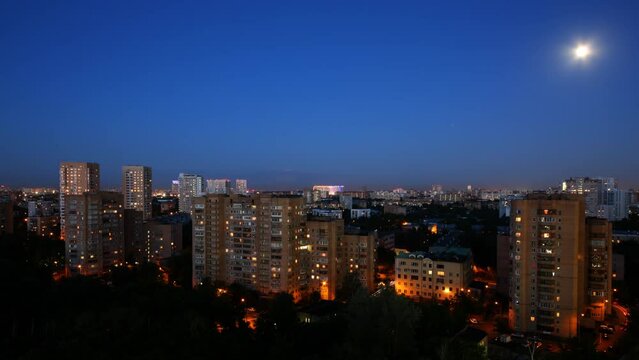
[{"x": 582, "y": 52}]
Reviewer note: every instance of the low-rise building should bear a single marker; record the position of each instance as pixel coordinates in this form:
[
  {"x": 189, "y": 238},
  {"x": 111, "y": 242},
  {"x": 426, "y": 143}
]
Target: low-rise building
[{"x": 427, "y": 275}]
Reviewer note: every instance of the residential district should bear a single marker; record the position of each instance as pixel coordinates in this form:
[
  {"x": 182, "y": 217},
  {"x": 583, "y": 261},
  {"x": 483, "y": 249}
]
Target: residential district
[{"x": 322, "y": 272}]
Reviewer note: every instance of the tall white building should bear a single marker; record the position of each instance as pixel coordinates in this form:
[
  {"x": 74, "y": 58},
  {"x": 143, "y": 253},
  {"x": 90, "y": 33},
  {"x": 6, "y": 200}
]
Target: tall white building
[
  {"x": 137, "y": 189},
  {"x": 602, "y": 197},
  {"x": 241, "y": 186},
  {"x": 218, "y": 186},
  {"x": 76, "y": 178},
  {"x": 190, "y": 186}
]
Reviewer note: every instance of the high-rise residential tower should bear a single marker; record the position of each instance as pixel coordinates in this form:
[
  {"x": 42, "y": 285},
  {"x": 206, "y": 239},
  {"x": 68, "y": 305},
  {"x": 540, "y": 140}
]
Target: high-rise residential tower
[
  {"x": 218, "y": 186},
  {"x": 561, "y": 265},
  {"x": 190, "y": 187},
  {"x": 241, "y": 186},
  {"x": 253, "y": 240},
  {"x": 95, "y": 232},
  {"x": 76, "y": 178},
  {"x": 137, "y": 189},
  {"x": 323, "y": 236},
  {"x": 602, "y": 197}
]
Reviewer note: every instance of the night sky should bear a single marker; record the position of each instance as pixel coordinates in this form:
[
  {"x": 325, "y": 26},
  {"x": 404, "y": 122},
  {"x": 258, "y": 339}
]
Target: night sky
[{"x": 287, "y": 94}]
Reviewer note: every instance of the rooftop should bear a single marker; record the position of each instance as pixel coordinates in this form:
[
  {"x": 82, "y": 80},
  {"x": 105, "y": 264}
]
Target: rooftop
[{"x": 453, "y": 254}]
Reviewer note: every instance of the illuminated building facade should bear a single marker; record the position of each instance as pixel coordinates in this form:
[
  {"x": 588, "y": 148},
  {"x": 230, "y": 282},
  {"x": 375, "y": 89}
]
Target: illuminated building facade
[
  {"x": 561, "y": 265},
  {"x": 253, "y": 240},
  {"x": 330, "y": 190},
  {"x": 137, "y": 189},
  {"x": 43, "y": 217},
  {"x": 599, "y": 261},
  {"x": 322, "y": 238},
  {"x": 95, "y": 233},
  {"x": 332, "y": 254},
  {"x": 76, "y": 178},
  {"x": 357, "y": 254},
  {"x": 163, "y": 237},
  {"x": 426, "y": 275}
]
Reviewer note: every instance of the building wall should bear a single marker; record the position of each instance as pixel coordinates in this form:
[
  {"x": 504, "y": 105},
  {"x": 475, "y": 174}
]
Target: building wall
[
  {"x": 134, "y": 237},
  {"x": 323, "y": 235},
  {"x": 76, "y": 178},
  {"x": 599, "y": 268},
  {"x": 162, "y": 240},
  {"x": 137, "y": 189},
  {"x": 357, "y": 253},
  {"x": 504, "y": 264},
  {"x": 189, "y": 188},
  {"x": 550, "y": 256},
  {"x": 252, "y": 240},
  {"x": 419, "y": 276},
  {"x": 209, "y": 237},
  {"x": 95, "y": 233}
]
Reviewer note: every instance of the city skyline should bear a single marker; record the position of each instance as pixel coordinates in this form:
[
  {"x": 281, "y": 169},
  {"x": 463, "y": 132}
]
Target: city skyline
[
  {"x": 308, "y": 183},
  {"x": 380, "y": 96}
]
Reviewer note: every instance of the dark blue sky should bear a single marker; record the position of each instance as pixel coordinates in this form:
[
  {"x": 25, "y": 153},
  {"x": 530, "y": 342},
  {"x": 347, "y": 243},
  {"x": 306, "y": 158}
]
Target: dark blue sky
[{"x": 388, "y": 93}]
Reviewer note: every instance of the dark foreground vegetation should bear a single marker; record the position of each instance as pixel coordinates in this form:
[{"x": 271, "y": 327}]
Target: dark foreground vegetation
[{"x": 134, "y": 314}]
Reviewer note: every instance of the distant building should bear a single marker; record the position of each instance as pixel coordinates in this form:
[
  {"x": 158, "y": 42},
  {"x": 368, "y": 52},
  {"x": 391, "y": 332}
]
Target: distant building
[
  {"x": 163, "y": 237},
  {"x": 190, "y": 187},
  {"x": 330, "y": 190},
  {"x": 218, "y": 186},
  {"x": 505, "y": 203},
  {"x": 346, "y": 201},
  {"x": 175, "y": 188},
  {"x": 602, "y": 197},
  {"x": 440, "y": 275},
  {"x": 395, "y": 210},
  {"x": 95, "y": 232},
  {"x": 165, "y": 206},
  {"x": 241, "y": 186},
  {"x": 386, "y": 240},
  {"x": 137, "y": 189},
  {"x": 76, "y": 178},
  {"x": 331, "y": 213},
  {"x": 360, "y": 213},
  {"x": 357, "y": 254},
  {"x": 43, "y": 217},
  {"x": 561, "y": 265},
  {"x": 6, "y": 213}
]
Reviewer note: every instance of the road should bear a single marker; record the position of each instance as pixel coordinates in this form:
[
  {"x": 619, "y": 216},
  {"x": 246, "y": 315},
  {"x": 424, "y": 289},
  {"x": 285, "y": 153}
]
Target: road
[{"x": 621, "y": 320}]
